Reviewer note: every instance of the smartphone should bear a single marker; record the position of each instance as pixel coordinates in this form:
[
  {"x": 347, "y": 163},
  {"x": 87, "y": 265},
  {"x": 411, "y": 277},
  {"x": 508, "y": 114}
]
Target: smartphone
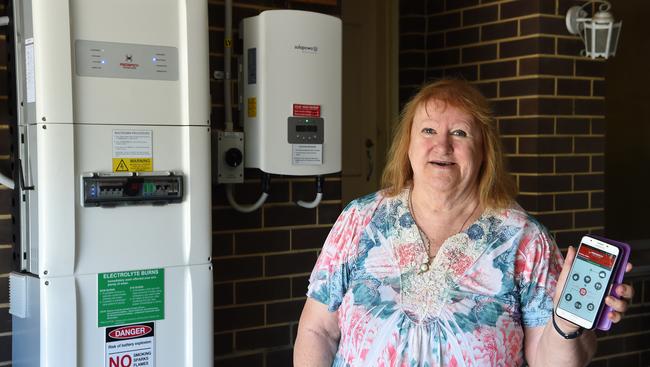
[{"x": 589, "y": 281}]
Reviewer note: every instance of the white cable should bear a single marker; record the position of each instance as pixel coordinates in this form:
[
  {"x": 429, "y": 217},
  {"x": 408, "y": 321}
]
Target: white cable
[
  {"x": 227, "y": 55},
  {"x": 4, "y": 180},
  {"x": 244, "y": 208},
  {"x": 313, "y": 204},
  {"x": 4, "y": 21}
]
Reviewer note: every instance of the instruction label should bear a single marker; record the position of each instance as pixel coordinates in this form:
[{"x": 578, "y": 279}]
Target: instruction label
[
  {"x": 130, "y": 346},
  {"x": 307, "y": 154},
  {"x": 132, "y": 150},
  {"x": 127, "y": 297}
]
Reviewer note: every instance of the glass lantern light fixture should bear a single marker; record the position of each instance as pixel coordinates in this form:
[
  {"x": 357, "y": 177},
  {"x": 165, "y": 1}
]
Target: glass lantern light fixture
[{"x": 599, "y": 33}]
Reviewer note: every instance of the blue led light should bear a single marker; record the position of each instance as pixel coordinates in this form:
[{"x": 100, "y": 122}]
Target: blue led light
[
  {"x": 103, "y": 61},
  {"x": 154, "y": 59}
]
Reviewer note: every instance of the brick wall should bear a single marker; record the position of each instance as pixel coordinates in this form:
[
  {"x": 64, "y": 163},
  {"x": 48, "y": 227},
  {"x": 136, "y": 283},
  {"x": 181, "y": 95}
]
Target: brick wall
[{"x": 549, "y": 104}]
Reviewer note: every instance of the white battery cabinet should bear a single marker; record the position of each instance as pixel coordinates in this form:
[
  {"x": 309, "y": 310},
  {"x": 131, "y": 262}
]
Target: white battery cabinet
[{"x": 114, "y": 146}]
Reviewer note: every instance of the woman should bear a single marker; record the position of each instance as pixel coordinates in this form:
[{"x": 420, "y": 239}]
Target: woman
[{"x": 442, "y": 267}]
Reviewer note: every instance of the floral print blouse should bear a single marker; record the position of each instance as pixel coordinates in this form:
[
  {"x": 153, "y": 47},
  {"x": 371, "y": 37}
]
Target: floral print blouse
[{"x": 470, "y": 308}]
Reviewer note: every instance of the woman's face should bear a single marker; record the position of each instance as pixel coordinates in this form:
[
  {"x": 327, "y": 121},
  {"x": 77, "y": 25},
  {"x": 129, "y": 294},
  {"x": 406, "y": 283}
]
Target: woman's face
[{"x": 446, "y": 148}]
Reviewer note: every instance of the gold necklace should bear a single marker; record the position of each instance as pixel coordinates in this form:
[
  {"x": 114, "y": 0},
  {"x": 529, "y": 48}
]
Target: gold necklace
[{"x": 425, "y": 266}]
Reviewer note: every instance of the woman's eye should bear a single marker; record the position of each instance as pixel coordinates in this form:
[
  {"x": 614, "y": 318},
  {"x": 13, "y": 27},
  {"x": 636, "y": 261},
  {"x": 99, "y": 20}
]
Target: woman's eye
[
  {"x": 459, "y": 133},
  {"x": 428, "y": 131}
]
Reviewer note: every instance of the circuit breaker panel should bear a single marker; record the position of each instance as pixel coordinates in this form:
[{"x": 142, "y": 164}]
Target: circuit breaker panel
[{"x": 114, "y": 142}]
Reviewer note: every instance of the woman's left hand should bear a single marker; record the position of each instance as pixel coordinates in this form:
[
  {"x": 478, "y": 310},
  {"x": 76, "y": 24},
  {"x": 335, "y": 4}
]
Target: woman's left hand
[{"x": 618, "y": 305}]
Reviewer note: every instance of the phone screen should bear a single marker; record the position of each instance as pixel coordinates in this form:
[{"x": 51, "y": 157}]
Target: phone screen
[{"x": 587, "y": 282}]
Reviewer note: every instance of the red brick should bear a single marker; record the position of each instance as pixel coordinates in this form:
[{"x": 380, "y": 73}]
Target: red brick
[
  {"x": 545, "y": 183},
  {"x": 545, "y": 66},
  {"x": 496, "y": 70},
  {"x": 288, "y": 215},
  {"x": 262, "y": 290},
  {"x": 261, "y": 242},
  {"x": 526, "y": 87},
  {"x": 530, "y": 164},
  {"x": 571, "y": 201},
  {"x": 443, "y": 22},
  {"x": 237, "y": 268},
  {"x": 573, "y": 87},
  {"x": 491, "y": 32},
  {"x": 526, "y": 126},
  {"x": 263, "y": 338},
  {"x": 572, "y": 164},
  {"x": 556, "y": 221},
  {"x": 479, "y": 53},
  {"x": 457, "y": 4},
  {"x": 536, "y": 202},
  {"x": 483, "y": 14},
  {"x": 594, "y": 181},
  {"x": 544, "y": 25},
  {"x": 294, "y": 263},
  {"x": 592, "y": 218},
  {"x": 519, "y": 8},
  {"x": 572, "y": 125},
  {"x": 545, "y": 145},
  {"x": 233, "y": 318},
  {"x": 527, "y": 46},
  {"x": 545, "y": 106},
  {"x": 461, "y": 37}
]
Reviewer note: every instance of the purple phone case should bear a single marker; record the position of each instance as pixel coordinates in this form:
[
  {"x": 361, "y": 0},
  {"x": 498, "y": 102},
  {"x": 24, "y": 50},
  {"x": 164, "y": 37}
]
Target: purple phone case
[{"x": 604, "y": 323}]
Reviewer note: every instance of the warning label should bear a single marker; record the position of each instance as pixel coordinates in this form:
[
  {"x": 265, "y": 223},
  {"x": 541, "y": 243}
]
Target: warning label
[
  {"x": 252, "y": 107},
  {"x": 307, "y": 154},
  {"x": 132, "y": 164},
  {"x": 132, "y": 150},
  {"x": 306, "y": 110},
  {"x": 130, "y": 346},
  {"x": 125, "y": 297}
]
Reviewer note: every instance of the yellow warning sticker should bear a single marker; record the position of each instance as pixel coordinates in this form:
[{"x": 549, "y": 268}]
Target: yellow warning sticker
[
  {"x": 227, "y": 42},
  {"x": 252, "y": 107},
  {"x": 132, "y": 164}
]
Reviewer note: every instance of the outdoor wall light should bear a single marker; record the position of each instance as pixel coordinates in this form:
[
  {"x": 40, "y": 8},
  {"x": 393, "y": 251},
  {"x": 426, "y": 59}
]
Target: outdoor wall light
[{"x": 599, "y": 33}]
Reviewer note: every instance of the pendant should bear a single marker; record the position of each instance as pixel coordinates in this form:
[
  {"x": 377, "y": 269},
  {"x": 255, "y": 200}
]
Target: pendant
[{"x": 424, "y": 267}]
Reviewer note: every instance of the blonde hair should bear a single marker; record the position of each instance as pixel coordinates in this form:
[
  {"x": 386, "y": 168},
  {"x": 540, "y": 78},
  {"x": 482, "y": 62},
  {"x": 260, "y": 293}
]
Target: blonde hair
[{"x": 496, "y": 187}]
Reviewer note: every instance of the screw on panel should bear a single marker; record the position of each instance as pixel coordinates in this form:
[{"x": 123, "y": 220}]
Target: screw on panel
[
  {"x": 44, "y": 127},
  {"x": 45, "y": 272},
  {"x": 43, "y": 118},
  {"x": 47, "y": 282},
  {"x": 209, "y": 258}
]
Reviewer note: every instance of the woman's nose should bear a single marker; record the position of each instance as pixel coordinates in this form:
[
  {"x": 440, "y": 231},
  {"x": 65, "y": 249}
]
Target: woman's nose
[{"x": 442, "y": 143}]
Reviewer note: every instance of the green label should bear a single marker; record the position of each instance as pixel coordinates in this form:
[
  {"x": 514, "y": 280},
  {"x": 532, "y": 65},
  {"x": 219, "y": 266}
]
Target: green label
[{"x": 127, "y": 297}]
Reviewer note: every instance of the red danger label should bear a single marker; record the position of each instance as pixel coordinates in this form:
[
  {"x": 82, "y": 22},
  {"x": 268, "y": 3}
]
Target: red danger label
[
  {"x": 306, "y": 110},
  {"x": 130, "y": 332}
]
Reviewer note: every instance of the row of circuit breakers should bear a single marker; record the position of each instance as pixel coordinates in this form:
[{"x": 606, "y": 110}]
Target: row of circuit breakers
[{"x": 132, "y": 188}]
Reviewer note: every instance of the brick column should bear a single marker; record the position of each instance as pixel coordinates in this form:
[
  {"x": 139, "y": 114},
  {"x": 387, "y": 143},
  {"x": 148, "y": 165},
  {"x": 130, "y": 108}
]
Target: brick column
[{"x": 547, "y": 99}]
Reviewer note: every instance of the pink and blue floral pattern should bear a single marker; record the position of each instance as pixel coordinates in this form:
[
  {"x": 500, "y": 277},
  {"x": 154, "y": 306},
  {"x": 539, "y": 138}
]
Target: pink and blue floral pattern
[{"x": 484, "y": 287}]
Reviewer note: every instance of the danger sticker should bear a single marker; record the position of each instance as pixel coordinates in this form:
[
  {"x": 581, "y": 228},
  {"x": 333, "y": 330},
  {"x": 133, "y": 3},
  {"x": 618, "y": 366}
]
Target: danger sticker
[
  {"x": 132, "y": 164},
  {"x": 130, "y": 346},
  {"x": 132, "y": 150},
  {"x": 306, "y": 110},
  {"x": 252, "y": 107}
]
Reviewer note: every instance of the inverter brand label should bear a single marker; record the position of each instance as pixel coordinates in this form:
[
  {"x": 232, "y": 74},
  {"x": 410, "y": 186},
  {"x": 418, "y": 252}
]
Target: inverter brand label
[
  {"x": 127, "y": 297},
  {"x": 130, "y": 346}
]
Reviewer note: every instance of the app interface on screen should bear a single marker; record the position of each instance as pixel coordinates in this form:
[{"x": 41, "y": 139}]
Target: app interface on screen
[{"x": 587, "y": 282}]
